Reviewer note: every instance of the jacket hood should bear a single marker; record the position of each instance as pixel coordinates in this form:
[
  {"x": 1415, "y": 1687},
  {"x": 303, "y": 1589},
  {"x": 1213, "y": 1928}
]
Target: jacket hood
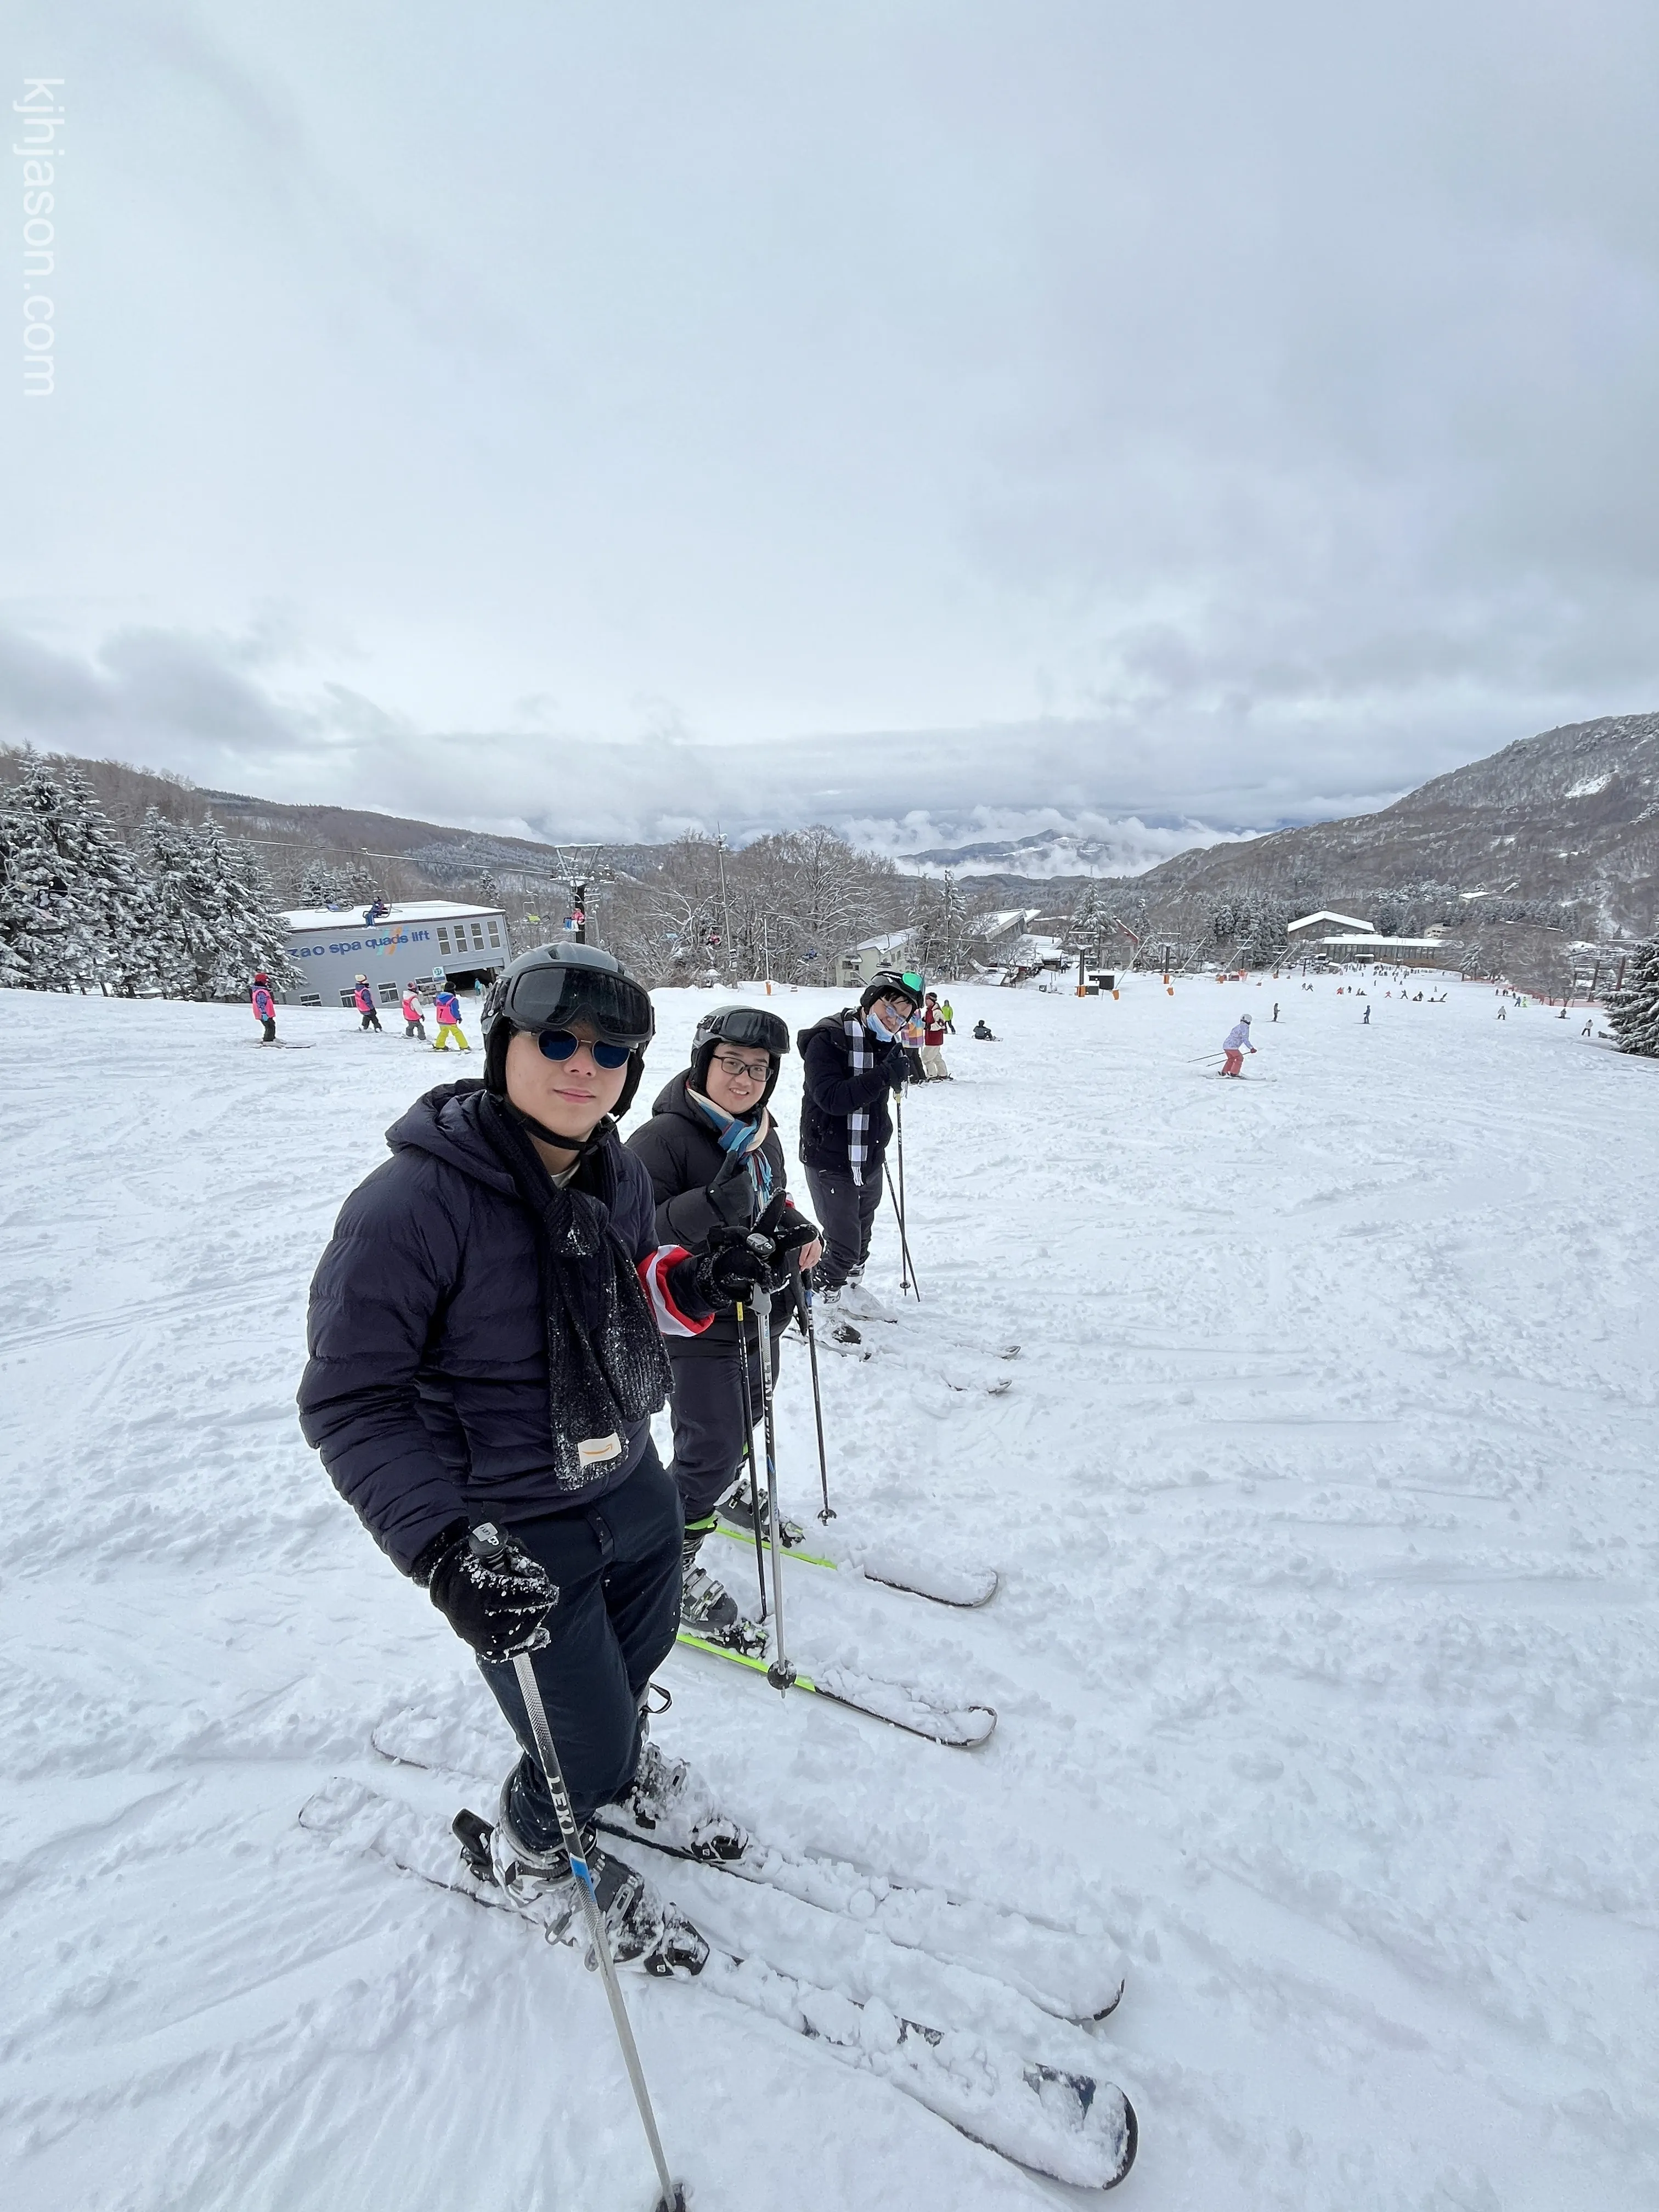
[
  {"x": 446, "y": 1122},
  {"x": 830, "y": 1025}
]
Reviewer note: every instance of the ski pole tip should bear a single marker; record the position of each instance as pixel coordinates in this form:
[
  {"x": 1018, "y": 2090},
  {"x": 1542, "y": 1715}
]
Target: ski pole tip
[{"x": 678, "y": 2204}]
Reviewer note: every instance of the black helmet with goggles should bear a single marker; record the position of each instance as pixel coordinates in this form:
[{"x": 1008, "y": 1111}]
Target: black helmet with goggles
[
  {"x": 890, "y": 983},
  {"x": 747, "y": 1029},
  {"x": 544, "y": 992}
]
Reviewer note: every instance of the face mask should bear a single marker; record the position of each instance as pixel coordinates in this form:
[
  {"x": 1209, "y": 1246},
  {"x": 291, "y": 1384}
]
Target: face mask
[{"x": 883, "y": 1035}]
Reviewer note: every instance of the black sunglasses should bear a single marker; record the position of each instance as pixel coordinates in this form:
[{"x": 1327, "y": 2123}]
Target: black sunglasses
[{"x": 560, "y": 1044}]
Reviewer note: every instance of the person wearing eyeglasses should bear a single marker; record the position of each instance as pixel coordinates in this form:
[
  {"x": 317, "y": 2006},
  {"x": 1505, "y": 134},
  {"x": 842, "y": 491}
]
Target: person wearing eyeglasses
[
  {"x": 716, "y": 1166},
  {"x": 486, "y": 1349},
  {"x": 852, "y": 1061}
]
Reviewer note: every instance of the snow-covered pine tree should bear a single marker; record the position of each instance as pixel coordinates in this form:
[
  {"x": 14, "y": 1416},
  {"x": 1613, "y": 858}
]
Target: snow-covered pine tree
[
  {"x": 15, "y": 970},
  {"x": 1633, "y": 1011},
  {"x": 253, "y": 931},
  {"x": 184, "y": 943},
  {"x": 113, "y": 893},
  {"x": 47, "y": 928}
]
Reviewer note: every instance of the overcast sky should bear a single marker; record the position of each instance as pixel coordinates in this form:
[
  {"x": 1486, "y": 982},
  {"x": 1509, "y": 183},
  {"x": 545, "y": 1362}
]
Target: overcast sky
[{"x": 597, "y": 416}]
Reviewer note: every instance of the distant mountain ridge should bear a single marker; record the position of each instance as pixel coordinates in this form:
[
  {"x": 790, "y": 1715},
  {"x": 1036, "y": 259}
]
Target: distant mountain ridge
[{"x": 1570, "y": 815}]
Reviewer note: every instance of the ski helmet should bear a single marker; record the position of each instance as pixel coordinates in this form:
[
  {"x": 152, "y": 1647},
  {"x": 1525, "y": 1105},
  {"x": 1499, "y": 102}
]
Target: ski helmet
[
  {"x": 559, "y": 984},
  {"x": 262, "y": 977},
  {"x": 363, "y": 979},
  {"x": 739, "y": 1026},
  {"x": 891, "y": 983},
  {"x": 1245, "y": 1020}
]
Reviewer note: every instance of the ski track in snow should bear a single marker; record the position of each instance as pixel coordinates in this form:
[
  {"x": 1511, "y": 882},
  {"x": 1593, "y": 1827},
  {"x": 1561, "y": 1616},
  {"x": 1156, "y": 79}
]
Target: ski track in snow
[{"x": 1325, "y": 1651}]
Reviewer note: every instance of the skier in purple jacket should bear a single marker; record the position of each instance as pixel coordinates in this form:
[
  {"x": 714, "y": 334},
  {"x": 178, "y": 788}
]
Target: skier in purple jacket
[{"x": 264, "y": 1006}]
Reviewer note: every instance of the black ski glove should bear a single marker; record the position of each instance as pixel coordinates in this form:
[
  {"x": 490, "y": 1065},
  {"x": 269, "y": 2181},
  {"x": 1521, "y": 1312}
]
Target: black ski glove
[
  {"x": 732, "y": 1199},
  {"x": 897, "y": 1070},
  {"x": 492, "y": 1593},
  {"x": 733, "y": 1266},
  {"x": 796, "y": 1234}
]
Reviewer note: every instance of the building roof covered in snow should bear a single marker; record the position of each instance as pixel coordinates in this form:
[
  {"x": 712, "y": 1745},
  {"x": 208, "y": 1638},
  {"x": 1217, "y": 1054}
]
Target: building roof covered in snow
[
  {"x": 1346, "y": 921},
  {"x": 347, "y": 917}
]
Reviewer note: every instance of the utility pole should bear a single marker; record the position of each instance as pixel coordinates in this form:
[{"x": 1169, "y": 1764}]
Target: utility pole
[{"x": 726, "y": 903}]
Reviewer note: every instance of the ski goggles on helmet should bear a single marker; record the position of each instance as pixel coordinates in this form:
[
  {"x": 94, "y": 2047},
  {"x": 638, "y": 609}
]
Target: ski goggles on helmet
[
  {"x": 751, "y": 1026},
  {"x": 549, "y": 996},
  {"x": 561, "y": 1044}
]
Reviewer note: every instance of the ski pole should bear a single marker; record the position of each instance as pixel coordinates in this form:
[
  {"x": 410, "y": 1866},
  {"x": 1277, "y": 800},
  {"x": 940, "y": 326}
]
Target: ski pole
[
  {"x": 749, "y": 1444},
  {"x": 898, "y": 1124},
  {"x": 486, "y": 1543},
  {"x": 803, "y": 1307},
  {"x": 910, "y": 1282},
  {"x": 780, "y": 1674}
]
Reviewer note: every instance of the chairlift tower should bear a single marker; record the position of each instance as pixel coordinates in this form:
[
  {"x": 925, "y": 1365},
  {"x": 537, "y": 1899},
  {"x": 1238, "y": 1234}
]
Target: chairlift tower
[{"x": 578, "y": 868}]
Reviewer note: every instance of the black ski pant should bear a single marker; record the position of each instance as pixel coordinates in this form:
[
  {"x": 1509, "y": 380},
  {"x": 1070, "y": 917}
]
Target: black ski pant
[
  {"x": 707, "y": 1411},
  {"x": 269, "y": 1036},
  {"x": 846, "y": 1212},
  {"x": 617, "y": 1566},
  {"x": 415, "y": 1028},
  {"x": 371, "y": 1020}
]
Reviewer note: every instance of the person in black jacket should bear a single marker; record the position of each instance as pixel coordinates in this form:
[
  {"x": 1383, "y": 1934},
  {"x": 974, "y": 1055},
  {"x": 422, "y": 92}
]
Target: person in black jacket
[
  {"x": 716, "y": 1166},
  {"x": 486, "y": 1348},
  {"x": 852, "y": 1061}
]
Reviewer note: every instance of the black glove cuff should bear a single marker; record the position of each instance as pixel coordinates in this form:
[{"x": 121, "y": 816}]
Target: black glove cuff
[{"x": 427, "y": 1558}]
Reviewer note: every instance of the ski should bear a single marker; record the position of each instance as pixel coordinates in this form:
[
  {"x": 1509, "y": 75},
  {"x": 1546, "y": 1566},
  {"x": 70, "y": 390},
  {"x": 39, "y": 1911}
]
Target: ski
[
  {"x": 966, "y": 1586},
  {"x": 964, "y": 1727},
  {"x": 1064, "y": 1971},
  {"x": 1060, "y": 1970},
  {"x": 1049, "y": 2119}
]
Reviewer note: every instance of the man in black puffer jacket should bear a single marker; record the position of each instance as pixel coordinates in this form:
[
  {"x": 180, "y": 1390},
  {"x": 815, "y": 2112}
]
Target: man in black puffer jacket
[
  {"x": 485, "y": 1349},
  {"x": 716, "y": 1165},
  {"x": 852, "y": 1061}
]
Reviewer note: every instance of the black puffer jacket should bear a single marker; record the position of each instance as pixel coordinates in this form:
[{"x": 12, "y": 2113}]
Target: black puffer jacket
[
  {"x": 832, "y": 1093},
  {"x": 428, "y": 1392},
  {"x": 681, "y": 1153}
]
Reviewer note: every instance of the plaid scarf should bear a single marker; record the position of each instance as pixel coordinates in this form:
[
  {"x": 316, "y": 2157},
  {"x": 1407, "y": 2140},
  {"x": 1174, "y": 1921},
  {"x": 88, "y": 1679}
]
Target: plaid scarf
[{"x": 857, "y": 1125}]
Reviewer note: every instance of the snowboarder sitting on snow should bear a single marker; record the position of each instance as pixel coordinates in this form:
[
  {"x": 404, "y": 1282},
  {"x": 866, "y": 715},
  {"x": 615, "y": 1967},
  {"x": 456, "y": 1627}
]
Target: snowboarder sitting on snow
[
  {"x": 716, "y": 1165},
  {"x": 852, "y": 1060},
  {"x": 484, "y": 1349},
  {"x": 413, "y": 1016},
  {"x": 264, "y": 1006},
  {"x": 363, "y": 999},
  {"x": 984, "y": 1033},
  {"x": 1235, "y": 1044}
]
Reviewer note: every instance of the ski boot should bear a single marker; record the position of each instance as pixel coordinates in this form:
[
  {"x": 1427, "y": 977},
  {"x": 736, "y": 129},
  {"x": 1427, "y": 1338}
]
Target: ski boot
[
  {"x": 707, "y": 1608},
  {"x": 828, "y": 1304},
  {"x": 676, "y": 1809},
  {"x": 541, "y": 1884},
  {"x": 737, "y": 1513}
]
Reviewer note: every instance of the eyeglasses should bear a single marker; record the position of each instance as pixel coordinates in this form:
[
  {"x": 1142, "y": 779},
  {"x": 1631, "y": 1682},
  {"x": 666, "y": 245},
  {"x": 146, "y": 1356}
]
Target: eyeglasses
[
  {"x": 756, "y": 1071},
  {"x": 560, "y": 1044}
]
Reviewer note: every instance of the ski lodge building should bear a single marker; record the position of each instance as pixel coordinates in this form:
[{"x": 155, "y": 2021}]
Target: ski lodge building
[
  {"x": 409, "y": 941},
  {"x": 1359, "y": 940}
]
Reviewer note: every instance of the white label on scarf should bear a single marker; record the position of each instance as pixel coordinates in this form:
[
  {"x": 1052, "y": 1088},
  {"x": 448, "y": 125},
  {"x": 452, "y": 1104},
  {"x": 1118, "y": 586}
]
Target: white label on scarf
[{"x": 593, "y": 1451}]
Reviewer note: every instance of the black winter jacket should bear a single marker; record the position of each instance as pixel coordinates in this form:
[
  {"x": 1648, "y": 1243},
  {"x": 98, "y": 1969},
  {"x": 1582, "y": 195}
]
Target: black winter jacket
[
  {"x": 832, "y": 1093},
  {"x": 681, "y": 1154},
  {"x": 426, "y": 1391}
]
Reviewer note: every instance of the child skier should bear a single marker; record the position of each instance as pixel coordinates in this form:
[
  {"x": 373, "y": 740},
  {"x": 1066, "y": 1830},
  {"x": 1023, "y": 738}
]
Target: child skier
[
  {"x": 447, "y": 1012},
  {"x": 933, "y": 1041},
  {"x": 1235, "y": 1044},
  {"x": 851, "y": 1062},
  {"x": 363, "y": 999},
  {"x": 413, "y": 1015},
  {"x": 264, "y": 1006},
  {"x": 485, "y": 1352},
  {"x": 716, "y": 1164}
]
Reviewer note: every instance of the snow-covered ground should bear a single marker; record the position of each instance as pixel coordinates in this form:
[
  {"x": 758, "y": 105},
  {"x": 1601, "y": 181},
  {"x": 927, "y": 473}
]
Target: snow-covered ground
[{"x": 1325, "y": 1657}]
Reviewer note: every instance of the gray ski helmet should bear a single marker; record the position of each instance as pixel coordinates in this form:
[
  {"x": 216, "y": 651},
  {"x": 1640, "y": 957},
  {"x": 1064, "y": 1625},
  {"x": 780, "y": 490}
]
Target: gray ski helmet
[
  {"x": 891, "y": 983},
  {"x": 750, "y": 1026},
  {"x": 553, "y": 986}
]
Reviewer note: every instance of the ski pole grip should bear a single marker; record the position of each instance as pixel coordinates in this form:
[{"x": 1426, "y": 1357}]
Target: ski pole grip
[{"x": 486, "y": 1541}]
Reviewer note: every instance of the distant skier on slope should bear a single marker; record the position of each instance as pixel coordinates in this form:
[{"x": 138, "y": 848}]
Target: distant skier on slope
[
  {"x": 485, "y": 1351},
  {"x": 363, "y": 999},
  {"x": 264, "y": 1006},
  {"x": 716, "y": 1164},
  {"x": 852, "y": 1060},
  {"x": 983, "y": 1032},
  {"x": 413, "y": 1014},
  {"x": 933, "y": 1041},
  {"x": 1234, "y": 1045}
]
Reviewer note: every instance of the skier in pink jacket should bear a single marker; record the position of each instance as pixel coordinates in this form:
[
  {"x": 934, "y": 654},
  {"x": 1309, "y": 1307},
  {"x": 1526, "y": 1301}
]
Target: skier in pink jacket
[
  {"x": 363, "y": 999},
  {"x": 264, "y": 1006}
]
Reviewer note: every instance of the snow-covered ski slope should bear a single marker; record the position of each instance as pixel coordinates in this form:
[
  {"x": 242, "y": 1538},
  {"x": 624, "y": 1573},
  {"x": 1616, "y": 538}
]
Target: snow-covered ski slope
[{"x": 1327, "y": 1652}]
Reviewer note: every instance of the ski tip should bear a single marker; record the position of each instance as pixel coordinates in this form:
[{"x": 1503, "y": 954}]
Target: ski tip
[
  {"x": 1131, "y": 2142},
  {"x": 1111, "y": 2006}
]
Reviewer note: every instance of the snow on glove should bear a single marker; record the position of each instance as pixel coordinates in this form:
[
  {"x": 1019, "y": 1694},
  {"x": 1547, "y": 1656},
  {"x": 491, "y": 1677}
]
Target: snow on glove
[
  {"x": 794, "y": 1237},
  {"x": 493, "y": 1594},
  {"x": 733, "y": 1267}
]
